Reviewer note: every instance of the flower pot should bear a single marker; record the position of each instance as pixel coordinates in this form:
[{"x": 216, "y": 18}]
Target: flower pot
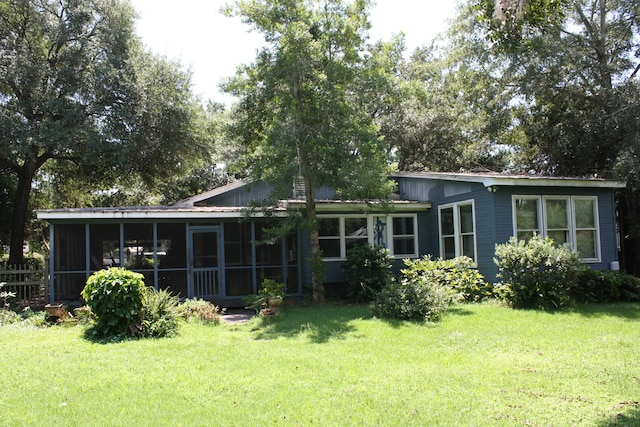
[
  {"x": 274, "y": 304},
  {"x": 275, "y": 301},
  {"x": 56, "y": 310}
]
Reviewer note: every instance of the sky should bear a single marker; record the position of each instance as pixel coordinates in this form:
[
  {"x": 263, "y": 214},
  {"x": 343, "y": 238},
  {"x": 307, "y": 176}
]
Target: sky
[{"x": 212, "y": 45}]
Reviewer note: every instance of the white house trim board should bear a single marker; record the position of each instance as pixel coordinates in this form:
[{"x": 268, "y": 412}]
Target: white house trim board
[
  {"x": 496, "y": 180},
  {"x": 150, "y": 214}
]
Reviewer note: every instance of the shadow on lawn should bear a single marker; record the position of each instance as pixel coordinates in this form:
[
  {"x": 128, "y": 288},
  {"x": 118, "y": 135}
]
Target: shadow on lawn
[
  {"x": 625, "y": 310},
  {"x": 624, "y": 416},
  {"x": 456, "y": 310},
  {"x": 319, "y": 323}
]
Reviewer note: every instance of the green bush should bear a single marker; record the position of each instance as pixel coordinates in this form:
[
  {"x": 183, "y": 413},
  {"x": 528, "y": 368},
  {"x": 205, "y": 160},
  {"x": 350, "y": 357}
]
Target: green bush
[
  {"x": 84, "y": 315},
  {"x": 115, "y": 296},
  {"x": 200, "y": 310},
  {"x": 422, "y": 294},
  {"x": 8, "y": 317},
  {"x": 366, "y": 271},
  {"x": 159, "y": 315},
  {"x": 536, "y": 273},
  {"x": 602, "y": 286},
  {"x": 418, "y": 299},
  {"x": 458, "y": 273}
]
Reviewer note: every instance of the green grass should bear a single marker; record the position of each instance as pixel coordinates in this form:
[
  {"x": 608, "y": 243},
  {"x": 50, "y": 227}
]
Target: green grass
[{"x": 336, "y": 366}]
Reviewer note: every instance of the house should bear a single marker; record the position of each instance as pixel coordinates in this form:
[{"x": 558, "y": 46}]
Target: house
[{"x": 211, "y": 246}]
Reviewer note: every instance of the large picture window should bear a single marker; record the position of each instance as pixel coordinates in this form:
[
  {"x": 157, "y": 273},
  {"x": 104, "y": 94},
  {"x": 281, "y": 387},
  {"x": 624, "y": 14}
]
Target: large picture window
[
  {"x": 338, "y": 234},
  {"x": 457, "y": 230},
  {"x": 571, "y": 221}
]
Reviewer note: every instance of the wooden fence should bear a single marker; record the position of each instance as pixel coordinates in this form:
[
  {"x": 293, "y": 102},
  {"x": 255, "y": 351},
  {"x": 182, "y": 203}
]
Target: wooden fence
[{"x": 31, "y": 286}]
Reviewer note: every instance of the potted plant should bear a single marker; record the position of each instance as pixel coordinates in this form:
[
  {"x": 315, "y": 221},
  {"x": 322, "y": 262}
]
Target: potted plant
[
  {"x": 269, "y": 298},
  {"x": 273, "y": 291}
]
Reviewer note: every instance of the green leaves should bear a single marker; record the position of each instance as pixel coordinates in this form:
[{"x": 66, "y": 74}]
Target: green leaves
[
  {"x": 536, "y": 273},
  {"x": 115, "y": 296}
]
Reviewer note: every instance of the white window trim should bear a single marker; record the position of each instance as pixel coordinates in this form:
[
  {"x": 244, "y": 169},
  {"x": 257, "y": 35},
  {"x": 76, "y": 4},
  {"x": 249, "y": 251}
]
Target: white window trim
[
  {"x": 370, "y": 233},
  {"x": 542, "y": 219},
  {"x": 457, "y": 235},
  {"x": 390, "y": 236}
]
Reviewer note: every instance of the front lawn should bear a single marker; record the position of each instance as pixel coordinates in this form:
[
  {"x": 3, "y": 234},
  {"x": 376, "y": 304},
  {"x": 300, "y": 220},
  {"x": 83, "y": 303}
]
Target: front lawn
[{"x": 337, "y": 366}]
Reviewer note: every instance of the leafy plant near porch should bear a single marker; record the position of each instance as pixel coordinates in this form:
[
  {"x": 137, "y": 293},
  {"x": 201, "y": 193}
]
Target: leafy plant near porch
[
  {"x": 201, "y": 311},
  {"x": 270, "y": 295},
  {"x": 115, "y": 296},
  {"x": 160, "y": 314},
  {"x": 366, "y": 271}
]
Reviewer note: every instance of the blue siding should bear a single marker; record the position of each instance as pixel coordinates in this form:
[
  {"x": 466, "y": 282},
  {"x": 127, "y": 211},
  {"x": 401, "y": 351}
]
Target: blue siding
[{"x": 493, "y": 215}]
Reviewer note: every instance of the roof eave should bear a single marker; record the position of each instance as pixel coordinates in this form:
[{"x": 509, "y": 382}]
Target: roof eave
[{"x": 512, "y": 181}]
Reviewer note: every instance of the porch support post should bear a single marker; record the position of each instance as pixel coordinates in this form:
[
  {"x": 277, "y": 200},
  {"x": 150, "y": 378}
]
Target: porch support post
[
  {"x": 155, "y": 255},
  {"x": 52, "y": 245},
  {"x": 87, "y": 251}
]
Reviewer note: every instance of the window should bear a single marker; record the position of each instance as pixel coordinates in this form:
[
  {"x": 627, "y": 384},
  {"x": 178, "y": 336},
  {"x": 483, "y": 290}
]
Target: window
[
  {"x": 527, "y": 213},
  {"x": 355, "y": 232},
  {"x": 585, "y": 219},
  {"x": 338, "y": 234},
  {"x": 457, "y": 231},
  {"x": 404, "y": 236},
  {"x": 329, "y": 236},
  {"x": 566, "y": 220}
]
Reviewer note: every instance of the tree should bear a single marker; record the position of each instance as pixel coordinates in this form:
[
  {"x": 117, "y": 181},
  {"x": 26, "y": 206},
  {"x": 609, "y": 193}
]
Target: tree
[
  {"x": 575, "y": 65},
  {"x": 452, "y": 109},
  {"x": 77, "y": 89},
  {"x": 301, "y": 112}
]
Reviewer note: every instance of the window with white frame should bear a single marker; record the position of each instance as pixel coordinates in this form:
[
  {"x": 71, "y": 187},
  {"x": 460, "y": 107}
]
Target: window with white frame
[
  {"x": 457, "y": 230},
  {"x": 338, "y": 234},
  {"x": 567, "y": 220}
]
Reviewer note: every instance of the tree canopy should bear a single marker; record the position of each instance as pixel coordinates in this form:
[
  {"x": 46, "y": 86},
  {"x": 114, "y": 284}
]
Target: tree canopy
[
  {"x": 302, "y": 110},
  {"x": 78, "y": 90}
]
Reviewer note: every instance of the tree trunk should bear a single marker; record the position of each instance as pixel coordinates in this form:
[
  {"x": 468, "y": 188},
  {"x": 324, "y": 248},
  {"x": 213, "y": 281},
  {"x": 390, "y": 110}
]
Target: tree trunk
[
  {"x": 310, "y": 204},
  {"x": 20, "y": 209}
]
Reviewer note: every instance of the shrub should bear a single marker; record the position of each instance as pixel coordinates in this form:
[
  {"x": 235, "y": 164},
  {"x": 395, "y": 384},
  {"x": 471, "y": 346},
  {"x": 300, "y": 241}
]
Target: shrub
[
  {"x": 8, "y": 317},
  {"x": 423, "y": 293},
  {"x": 200, "y": 310},
  {"x": 84, "y": 315},
  {"x": 602, "y": 286},
  {"x": 366, "y": 271},
  {"x": 458, "y": 273},
  {"x": 536, "y": 273},
  {"x": 115, "y": 296},
  {"x": 159, "y": 315},
  {"x": 270, "y": 296},
  {"x": 416, "y": 299}
]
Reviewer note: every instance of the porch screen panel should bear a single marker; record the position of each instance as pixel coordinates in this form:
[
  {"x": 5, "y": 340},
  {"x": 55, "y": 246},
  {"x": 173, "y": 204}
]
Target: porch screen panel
[
  {"x": 69, "y": 247},
  {"x": 238, "y": 259},
  {"x": 172, "y": 258},
  {"x": 293, "y": 285},
  {"x": 70, "y": 256},
  {"x": 269, "y": 263},
  {"x": 139, "y": 250},
  {"x": 104, "y": 246}
]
